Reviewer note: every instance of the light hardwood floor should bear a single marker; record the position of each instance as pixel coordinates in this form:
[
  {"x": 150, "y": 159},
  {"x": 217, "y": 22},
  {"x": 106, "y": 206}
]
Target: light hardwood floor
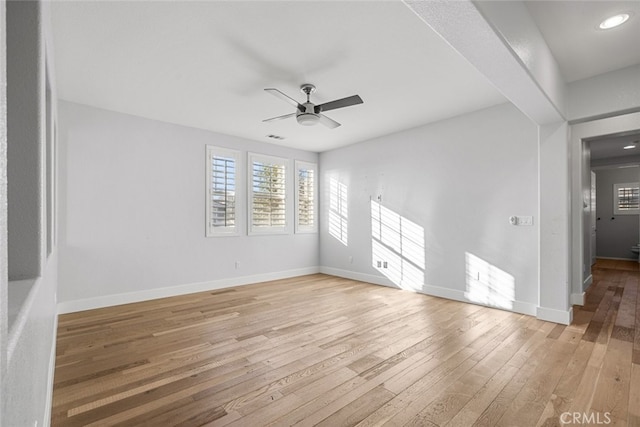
[{"x": 320, "y": 350}]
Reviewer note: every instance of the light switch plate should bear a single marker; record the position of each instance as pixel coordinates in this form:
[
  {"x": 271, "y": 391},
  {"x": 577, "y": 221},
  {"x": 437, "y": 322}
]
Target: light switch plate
[
  {"x": 525, "y": 220},
  {"x": 521, "y": 220}
]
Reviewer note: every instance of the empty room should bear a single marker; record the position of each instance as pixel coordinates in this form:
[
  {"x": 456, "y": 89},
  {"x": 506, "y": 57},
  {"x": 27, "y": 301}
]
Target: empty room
[{"x": 335, "y": 213}]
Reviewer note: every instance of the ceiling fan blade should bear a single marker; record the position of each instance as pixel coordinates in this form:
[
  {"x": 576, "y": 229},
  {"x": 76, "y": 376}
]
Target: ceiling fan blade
[
  {"x": 330, "y": 123},
  {"x": 339, "y": 103},
  {"x": 287, "y": 98},
  {"x": 286, "y": 116}
]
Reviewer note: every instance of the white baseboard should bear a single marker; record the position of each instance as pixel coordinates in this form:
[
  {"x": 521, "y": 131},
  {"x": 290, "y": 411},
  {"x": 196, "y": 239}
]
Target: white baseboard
[
  {"x": 52, "y": 367},
  {"x": 556, "y": 316},
  {"x": 354, "y": 275},
  {"x": 576, "y": 299},
  {"x": 170, "y": 291},
  {"x": 436, "y": 291},
  {"x": 150, "y": 294}
]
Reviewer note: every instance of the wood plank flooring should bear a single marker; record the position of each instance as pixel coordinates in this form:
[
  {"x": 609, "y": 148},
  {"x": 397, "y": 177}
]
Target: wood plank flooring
[{"x": 321, "y": 350}]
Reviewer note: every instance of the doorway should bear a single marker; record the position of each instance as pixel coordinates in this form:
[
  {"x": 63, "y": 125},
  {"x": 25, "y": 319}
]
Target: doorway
[
  {"x": 582, "y": 135},
  {"x": 614, "y": 197}
]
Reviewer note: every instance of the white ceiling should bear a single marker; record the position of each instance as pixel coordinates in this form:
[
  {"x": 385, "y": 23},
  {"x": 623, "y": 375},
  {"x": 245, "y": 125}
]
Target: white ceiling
[
  {"x": 205, "y": 64},
  {"x": 609, "y": 147},
  {"x": 581, "y": 49}
]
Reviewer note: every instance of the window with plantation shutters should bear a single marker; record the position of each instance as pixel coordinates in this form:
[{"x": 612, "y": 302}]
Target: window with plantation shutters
[
  {"x": 306, "y": 190},
  {"x": 221, "y": 212},
  {"x": 267, "y": 194},
  {"x": 626, "y": 198}
]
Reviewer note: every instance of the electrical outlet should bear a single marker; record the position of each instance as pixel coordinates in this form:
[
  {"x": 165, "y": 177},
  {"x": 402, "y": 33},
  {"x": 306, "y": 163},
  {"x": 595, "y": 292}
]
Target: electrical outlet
[
  {"x": 350, "y": 260},
  {"x": 385, "y": 264},
  {"x": 379, "y": 263},
  {"x": 237, "y": 265}
]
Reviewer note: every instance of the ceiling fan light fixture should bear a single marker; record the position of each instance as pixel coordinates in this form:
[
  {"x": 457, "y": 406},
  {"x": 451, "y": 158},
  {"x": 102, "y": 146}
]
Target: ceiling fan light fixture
[
  {"x": 614, "y": 21},
  {"x": 307, "y": 119}
]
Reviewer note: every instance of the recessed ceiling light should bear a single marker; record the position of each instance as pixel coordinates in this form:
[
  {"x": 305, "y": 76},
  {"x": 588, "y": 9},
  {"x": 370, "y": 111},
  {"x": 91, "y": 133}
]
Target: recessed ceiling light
[
  {"x": 614, "y": 21},
  {"x": 629, "y": 147}
]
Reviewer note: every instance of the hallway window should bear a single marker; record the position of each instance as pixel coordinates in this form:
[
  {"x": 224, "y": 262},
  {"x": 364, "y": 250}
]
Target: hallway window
[{"x": 626, "y": 198}]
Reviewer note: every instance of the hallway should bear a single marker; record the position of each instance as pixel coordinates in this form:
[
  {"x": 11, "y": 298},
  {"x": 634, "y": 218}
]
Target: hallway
[{"x": 611, "y": 341}]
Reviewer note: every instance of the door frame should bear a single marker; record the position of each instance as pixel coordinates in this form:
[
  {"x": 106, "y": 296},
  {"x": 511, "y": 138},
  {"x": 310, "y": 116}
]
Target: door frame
[{"x": 580, "y": 133}]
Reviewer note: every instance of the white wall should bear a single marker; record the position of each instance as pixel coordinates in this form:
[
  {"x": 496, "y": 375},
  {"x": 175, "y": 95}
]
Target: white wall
[
  {"x": 3, "y": 207},
  {"x": 23, "y": 135},
  {"x": 555, "y": 229},
  {"x": 31, "y": 354},
  {"x": 459, "y": 180},
  {"x": 605, "y": 95},
  {"x": 614, "y": 237},
  {"x": 514, "y": 23},
  {"x": 29, "y": 344},
  {"x": 132, "y": 210}
]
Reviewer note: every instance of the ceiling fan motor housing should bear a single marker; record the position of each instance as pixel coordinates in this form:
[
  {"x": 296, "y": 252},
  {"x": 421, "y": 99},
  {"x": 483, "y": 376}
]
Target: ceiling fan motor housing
[{"x": 308, "y": 117}]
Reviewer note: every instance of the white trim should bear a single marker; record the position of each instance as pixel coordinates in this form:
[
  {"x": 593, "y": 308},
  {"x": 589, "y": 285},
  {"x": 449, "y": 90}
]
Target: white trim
[
  {"x": 577, "y": 299},
  {"x": 587, "y": 282},
  {"x": 617, "y": 259},
  {"x": 50, "y": 375},
  {"x": 580, "y": 132},
  {"x": 437, "y": 291},
  {"x": 212, "y": 151},
  {"x": 354, "y": 275},
  {"x": 169, "y": 291},
  {"x": 556, "y": 316},
  {"x": 299, "y": 164}
]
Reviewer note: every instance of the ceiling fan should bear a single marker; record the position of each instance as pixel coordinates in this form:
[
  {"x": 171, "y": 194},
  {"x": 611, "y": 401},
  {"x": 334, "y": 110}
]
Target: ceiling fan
[{"x": 308, "y": 114}]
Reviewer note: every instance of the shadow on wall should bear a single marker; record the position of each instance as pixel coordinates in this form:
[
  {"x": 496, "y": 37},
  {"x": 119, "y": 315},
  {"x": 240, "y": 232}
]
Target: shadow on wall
[
  {"x": 338, "y": 211},
  {"x": 487, "y": 284},
  {"x": 397, "y": 248}
]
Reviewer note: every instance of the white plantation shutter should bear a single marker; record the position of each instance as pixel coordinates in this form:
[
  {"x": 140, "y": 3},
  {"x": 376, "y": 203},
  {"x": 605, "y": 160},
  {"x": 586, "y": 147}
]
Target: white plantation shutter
[
  {"x": 626, "y": 198},
  {"x": 267, "y": 194},
  {"x": 306, "y": 181},
  {"x": 222, "y": 167}
]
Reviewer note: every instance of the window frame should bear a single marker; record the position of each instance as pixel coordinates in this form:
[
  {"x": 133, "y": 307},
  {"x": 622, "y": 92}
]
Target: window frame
[
  {"x": 211, "y": 152},
  {"x": 304, "y": 165},
  {"x": 616, "y": 198},
  {"x": 264, "y": 158}
]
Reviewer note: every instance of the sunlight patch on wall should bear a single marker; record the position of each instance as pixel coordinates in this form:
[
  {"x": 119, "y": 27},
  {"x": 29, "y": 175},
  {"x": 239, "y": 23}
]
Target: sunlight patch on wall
[
  {"x": 399, "y": 243},
  {"x": 338, "y": 211},
  {"x": 487, "y": 284}
]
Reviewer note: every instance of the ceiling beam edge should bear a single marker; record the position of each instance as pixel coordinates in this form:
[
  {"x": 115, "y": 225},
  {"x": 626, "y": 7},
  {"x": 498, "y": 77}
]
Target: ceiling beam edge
[{"x": 467, "y": 30}]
